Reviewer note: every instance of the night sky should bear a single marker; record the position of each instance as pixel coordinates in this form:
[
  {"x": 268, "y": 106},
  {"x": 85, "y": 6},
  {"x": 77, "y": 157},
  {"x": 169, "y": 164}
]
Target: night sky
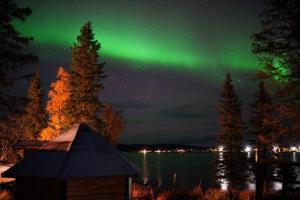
[{"x": 165, "y": 59}]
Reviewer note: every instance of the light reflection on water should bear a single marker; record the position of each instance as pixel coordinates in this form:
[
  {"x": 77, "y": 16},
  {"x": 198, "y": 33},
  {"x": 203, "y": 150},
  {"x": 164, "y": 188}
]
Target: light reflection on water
[
  {"x": 158, "y": 171},
  {"x": 145, "y": 173},
  {"x": 188, "y": 170},
  {"x": 224, "y": 183}
]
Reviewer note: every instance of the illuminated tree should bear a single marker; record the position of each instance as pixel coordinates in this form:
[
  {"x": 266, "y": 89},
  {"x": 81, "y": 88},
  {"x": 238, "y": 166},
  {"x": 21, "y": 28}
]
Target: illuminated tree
[
  {"x": 114, "y": 123},
  {"x": 278, "y": 46},
  {"x": 59, "y": 96},
  {"x": 34, "y": 118},
  {"x": 86, "y": 75},
  {"x": 10, "y": 135},
  {"x": 231, "y": 133}
]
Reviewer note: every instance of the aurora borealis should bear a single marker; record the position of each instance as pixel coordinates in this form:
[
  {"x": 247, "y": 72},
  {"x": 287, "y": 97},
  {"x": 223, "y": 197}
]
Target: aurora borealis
[
  {"x": 165, "y": 58},
  {"x": 132, "y": 32}
]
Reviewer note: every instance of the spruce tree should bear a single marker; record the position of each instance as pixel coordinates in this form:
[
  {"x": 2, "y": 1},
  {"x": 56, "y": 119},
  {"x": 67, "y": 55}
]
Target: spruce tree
[
  {"x": 231, "y": 134},
  {"x": 13, "y": 59},
  {"x": 230, "y": 118},
  {"x": 86, "y": 75},
  {"x": 34, "y": 117},
  {"x": 59, "y": 95},
  {"x": 278, "y": 46},
  {"x": 12, "y": 55},
  {"x": 262, "y": 119}
]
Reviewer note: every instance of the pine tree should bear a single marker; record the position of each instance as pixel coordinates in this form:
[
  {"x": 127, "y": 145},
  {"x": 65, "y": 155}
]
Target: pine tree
[
  {"x": 34, "y": 118},
  {"x": 13, "y": 58},
  {"x": 278, "y": 46},
  {"x": 59, "y": 96},
  {"x": 279, "y": 39},
  {"x": 12, "y": 54},
  {"x": 231, "y": 133},
  {"x": 114, "y": 123},
  {"x": 230, "y": 118},
  {"x": 262, "y": 120},
  {"x": 86, "y": 75}
]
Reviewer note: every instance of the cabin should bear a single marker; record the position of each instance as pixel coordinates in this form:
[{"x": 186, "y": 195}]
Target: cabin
[
  {"x": 79, "y": 164},
  {"x": 28, "y": 146}
]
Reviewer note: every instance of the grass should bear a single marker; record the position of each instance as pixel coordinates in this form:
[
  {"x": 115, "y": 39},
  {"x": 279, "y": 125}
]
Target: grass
[
  {"x": 5, "y": 195},
  {"x": 140, "y": 192}
]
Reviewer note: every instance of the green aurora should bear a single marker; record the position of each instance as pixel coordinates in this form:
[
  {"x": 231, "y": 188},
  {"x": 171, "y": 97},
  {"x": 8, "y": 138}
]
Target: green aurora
[{"x": 141, "y": 38}]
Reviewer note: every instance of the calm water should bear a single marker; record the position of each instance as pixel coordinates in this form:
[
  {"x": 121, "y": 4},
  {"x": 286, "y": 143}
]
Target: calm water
[{"x": 184, "y": 170}]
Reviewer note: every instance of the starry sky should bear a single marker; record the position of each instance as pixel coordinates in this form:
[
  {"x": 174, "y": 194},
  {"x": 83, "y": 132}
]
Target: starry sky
[{"x": 165, "y": 59}]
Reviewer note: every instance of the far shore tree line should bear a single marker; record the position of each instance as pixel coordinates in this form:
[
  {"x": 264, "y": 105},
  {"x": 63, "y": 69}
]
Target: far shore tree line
[
  {"x": 275, "y": 112},
  {"x": 72, "y": 98}
]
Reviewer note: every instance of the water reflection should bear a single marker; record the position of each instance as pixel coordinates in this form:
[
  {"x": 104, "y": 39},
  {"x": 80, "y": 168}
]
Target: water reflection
[
  {"x": 294, "y": 157},
  {"x": 276, "y": 186},
  {"x": 187, "y": 169},
  {"x": 224, "y": 183},
  {"x": 251, "y": 186},
  {"x": 145, "y": 172},
  {"x": 158, "y": 172},
  {"x": 174, "y": 179}
]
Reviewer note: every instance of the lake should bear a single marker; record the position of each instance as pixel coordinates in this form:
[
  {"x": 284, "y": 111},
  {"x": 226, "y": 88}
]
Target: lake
[{"x": 184, "y": 170}]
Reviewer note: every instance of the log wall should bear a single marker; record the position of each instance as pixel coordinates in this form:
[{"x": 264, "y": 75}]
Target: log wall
[
  {"x": 103, "y": 188},
  {"x": 37, "y": 189}
]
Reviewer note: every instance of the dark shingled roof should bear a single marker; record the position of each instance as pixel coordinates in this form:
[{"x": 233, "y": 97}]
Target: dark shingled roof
[
  {"x": 29, "y": 144},
  {"x": 78, "y": 153}
]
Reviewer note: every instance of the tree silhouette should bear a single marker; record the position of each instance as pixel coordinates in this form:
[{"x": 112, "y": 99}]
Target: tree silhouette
[
  {"x": 278, "y": 46},
  {"x": 13, "y": 58},
  {"x": 34, "y": 118},
  {"x": 86, "y": 75},
  {"x": 262, "y": 119},
  {"x": 231, "y": 134},
  {"x": 12, "y": 54}
]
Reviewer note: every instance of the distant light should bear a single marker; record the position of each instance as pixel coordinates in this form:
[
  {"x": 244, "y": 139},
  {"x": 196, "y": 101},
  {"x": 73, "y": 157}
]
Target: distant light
[
  {"x": 144, "y": 151},
  {"x": 221, "y": 148},
  {"x": 180, "y": 150},
  {"x": 248, "y": 149},
  {"x": 276, "y": 149},
  {"x": 158, "y": 151},
  {"x": 293, "y": 149}
]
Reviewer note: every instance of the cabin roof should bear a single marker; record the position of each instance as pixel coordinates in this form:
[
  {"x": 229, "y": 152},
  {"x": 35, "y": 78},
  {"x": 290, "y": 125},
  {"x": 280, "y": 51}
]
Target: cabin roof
[
  {"x": 78, "y": 153},
  {"x": 29, "y": 144}
]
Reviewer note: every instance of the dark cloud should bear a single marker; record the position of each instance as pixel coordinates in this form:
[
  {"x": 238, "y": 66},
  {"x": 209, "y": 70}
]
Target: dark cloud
[
  {"x": 187, "y": 111},
  {"x": 127, "y": 104}
]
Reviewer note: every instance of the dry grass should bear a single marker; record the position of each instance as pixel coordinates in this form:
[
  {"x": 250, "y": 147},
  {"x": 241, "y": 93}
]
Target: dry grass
[
  {"x": 215, "y": 194},
  {"x": 246, "y": 195},
  {"x": 140, "y": 192},
  {"x": 5, "y": 195}
]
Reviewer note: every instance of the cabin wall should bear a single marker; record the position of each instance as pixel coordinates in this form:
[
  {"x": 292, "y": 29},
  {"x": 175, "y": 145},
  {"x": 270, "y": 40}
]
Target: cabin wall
[
  {"x": 38, "y": 188},
  {"x": 104, "y": 188}
]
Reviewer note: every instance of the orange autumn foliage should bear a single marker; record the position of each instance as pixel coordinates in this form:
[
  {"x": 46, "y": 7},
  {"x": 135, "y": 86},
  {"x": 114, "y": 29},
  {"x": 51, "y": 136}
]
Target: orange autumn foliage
[
  {"x": 58, "y": 95},
  {"x": 114, "y": 123}
]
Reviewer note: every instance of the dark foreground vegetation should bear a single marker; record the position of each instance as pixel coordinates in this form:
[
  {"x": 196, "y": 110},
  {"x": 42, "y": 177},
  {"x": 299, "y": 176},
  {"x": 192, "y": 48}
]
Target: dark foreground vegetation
[{"x": 140, "y": 192}]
